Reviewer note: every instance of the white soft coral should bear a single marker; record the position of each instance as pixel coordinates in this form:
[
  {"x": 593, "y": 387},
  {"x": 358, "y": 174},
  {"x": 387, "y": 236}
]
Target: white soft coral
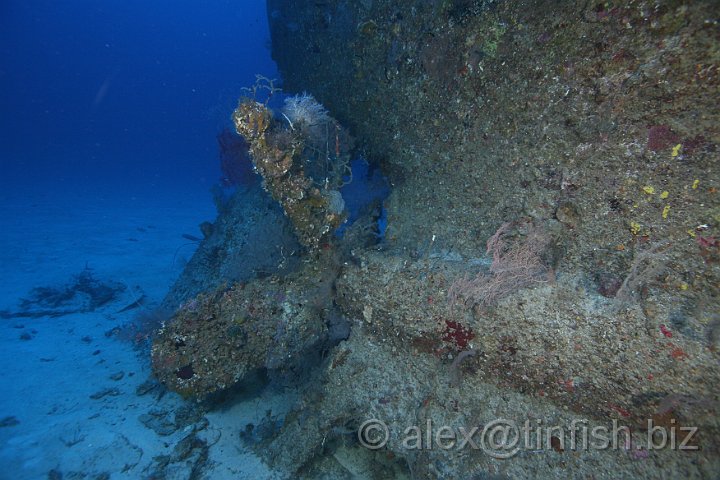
[{"x": 303, "y": 111}]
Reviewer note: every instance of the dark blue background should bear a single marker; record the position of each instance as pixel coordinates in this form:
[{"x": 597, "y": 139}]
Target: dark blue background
[{"x": 119, "y": 92}]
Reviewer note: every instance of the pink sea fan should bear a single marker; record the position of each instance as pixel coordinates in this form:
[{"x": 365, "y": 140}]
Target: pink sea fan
[{"x": 515, "y": 265}]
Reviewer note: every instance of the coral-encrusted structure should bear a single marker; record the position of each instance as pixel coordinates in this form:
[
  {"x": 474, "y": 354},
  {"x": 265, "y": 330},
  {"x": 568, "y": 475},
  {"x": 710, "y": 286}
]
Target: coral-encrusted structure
[
  {"x": 595, "y": 122},
  {"x": 218, "y": 338},
  {"x": 581, "y": 117},
  {"x": 281, "y": 155}
]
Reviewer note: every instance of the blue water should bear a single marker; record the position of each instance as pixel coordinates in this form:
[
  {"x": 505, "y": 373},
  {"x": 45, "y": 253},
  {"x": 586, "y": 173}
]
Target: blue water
[
  {"x": 109, "y": 113},
  {"x": 119, "y": 92}
]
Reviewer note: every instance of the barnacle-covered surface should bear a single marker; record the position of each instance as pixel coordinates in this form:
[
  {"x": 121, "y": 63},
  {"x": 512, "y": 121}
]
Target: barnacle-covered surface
[
  {"x": 218, "y": 338},
  {"x": 288, "y": 158},
  {"x": 593, "y": 122}
]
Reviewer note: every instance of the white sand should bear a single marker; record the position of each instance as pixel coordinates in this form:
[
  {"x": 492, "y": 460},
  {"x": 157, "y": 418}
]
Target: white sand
[{"x": 46, "y": 382}]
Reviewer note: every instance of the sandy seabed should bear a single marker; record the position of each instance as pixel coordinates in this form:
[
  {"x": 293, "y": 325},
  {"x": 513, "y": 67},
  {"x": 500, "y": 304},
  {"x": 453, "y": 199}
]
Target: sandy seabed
[{"x": 71, "y": 403}]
